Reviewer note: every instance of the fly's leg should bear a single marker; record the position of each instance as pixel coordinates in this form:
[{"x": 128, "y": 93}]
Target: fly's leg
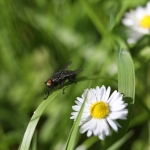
[
  {"x": 63, "y": 89},
  {"x": 72, "y": 79},
  {"x": 47, "y": 93}
]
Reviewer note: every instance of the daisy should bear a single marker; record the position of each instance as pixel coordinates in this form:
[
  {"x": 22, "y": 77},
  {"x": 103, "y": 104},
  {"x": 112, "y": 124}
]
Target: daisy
[
  {"x": 100, "y": 111},
  {"x": 138, "y": 21}
]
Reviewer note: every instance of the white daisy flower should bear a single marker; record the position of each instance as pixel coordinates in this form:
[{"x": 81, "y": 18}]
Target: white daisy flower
[
  {"x": 138, "y": 21},
  {"x": 100, "y": 111}
]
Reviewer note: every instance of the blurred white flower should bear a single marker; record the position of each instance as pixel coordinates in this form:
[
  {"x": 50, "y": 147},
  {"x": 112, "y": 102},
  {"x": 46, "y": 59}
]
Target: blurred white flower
[
  {"x": 138, "y": 21},
  {"x": 100, "y": 111}
]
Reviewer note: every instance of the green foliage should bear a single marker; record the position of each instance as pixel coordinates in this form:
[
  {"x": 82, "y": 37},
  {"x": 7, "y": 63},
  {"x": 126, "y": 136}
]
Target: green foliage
[
  {"x": 39, "y": 37},
  {"x": 34, "y": 120},
  {"x": 73, "y": 134}
]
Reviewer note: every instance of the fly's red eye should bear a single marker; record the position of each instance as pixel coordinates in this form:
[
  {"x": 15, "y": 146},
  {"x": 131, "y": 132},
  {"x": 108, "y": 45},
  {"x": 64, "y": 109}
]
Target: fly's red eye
[{"x": 49, "y": 82}]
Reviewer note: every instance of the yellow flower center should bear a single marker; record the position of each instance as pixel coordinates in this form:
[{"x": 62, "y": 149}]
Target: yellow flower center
[
  {"x": 145, "y": 22},
  {"x": 99, "y": 110}
]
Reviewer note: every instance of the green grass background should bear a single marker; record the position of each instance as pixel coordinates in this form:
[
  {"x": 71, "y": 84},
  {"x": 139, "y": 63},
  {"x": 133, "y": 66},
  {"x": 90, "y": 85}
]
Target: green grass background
[{"x": 39, "y": 37}]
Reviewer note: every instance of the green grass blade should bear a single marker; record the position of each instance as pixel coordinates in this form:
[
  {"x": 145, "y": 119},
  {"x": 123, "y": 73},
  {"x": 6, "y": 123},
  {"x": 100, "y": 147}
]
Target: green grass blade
[
  {"x": 34, "y": 143},
  {"x": 126, "y": 85},
  {"x": 73, "y": 133},
  {"x": 34, "y": 120},
  {"x": 88, "y": 143},
  {"x": 120, "y": 142},
  {"x": 126, "y": 74},
  {"x": 94, "y": 18}
]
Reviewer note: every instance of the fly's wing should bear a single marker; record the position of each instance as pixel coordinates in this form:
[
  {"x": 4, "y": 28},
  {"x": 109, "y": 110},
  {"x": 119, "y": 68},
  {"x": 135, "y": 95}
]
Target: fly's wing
[
  {"x": 66, "y": 66},
  {"x": 77, "y": 71},
  {"x": 58, "y": 73},
  {"x": 69, "y": 73}
]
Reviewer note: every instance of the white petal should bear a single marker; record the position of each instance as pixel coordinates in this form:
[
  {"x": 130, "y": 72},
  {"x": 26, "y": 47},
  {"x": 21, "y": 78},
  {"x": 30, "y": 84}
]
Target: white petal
[
  {"x": 112, "y": 124},
  {"x": 107, "y": 130},
  {"x": 119, "y": 98},
  {"x": 128, "y": 22},
  {"x": 131, "y": 41},
  {"x": 85, "y": 114},
  {"x": 89, "y": 133},
  {"x": 101, "y": 127},
  {"x": 84, "y": 120},
  {"x": 93, "y": 124},
  {"x": 148, "y": 8},
  {"x": 134, "y": 36},
  {"x": 76, "y": 108},
  {"x": 131, "y": 15},
  {"x": 80, "y": 99},
  {"x": 84, "y": 127},
  {"x": 103, "y": 92},
  {"x": 111, "y": 97},
  {"x": 72, "y": 117},
  {"x": 139, "y": 32},
  {"x": 85, "y": 93},
  {"x": 105, "y": 126},
  {"x": 89, "y": 97},
  {"x": 118, "y": 115},
  {"x": 86, "y": 110},
  {"x": 98, "y": 92},
  {"x": 117, "y": 107},
  {"x": 117, "y": 103},
  {"x": 101, "y": 136},
  {"x": 107, "y": 94},
  {"x": 117, "y": 124},
  {"x": 115, "y": 97},
  {"x": 140, "y": 12},
  {"x": 97, "y": 128},
  {"x": 90, "y": 125},
  {"x": 74, "y": 113},
  {"x": 93, "y": 96},
  {"x": 78, "y": 103}
]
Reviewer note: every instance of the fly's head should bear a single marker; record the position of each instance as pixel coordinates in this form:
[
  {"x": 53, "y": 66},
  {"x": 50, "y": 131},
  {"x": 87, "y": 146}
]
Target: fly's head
[{"x": 49, "y": 82}]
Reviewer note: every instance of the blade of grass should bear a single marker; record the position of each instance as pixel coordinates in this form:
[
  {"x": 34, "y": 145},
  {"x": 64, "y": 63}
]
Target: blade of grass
[
  {"x": 126, "y": 74},
  {"x": 73, "y": 133},
  {"x": 94, "y": 18},
  {"x": 120, "y": 142},
  {"x": 34, "y": 120},
  {"x": 126, "y": 85},
  {"x": 88, "y": 143},
  {"x": 34, "y": 143}
]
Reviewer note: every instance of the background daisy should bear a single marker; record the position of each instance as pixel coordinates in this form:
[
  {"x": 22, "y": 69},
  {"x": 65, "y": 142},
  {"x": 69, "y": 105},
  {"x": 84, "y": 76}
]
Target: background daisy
[
  {"x": 100, "y": 111},
  {"x": 138, "y": 21}
]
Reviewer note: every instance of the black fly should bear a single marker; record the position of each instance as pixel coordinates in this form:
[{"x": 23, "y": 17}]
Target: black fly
[{"x": 60, "y": 77}]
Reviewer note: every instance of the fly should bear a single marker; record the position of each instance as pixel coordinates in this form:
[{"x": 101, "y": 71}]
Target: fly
[{"x": 60, "y": 77}]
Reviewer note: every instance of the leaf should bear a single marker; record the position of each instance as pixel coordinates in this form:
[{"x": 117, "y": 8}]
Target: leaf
[
  {"x": 120, "y": 142},
  {"x": 73, "y": 133},
  {"x": 34, "y": 120},
  {"x": 126, "y": 85},
  {"x": 126, "y": 74}
]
